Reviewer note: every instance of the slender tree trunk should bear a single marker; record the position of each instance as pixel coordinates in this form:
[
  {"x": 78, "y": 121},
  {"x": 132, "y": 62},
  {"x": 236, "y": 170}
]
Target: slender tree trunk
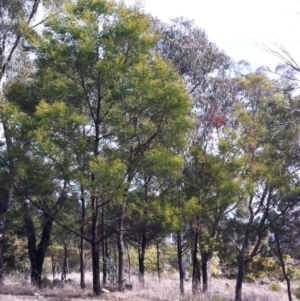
[
  {"x": 95, "y": 249},
  {"x": 206, "y": 258},
  {"x": 1, "y": 254},
  {"x": 158, "y": 261},
  {"x": 180, "y": 263},
  {"x": 142, "y": 257},
  {"x": 144, "y": 239},
  {"x": 31, "y": 244},
  {"x": 120, "y": 237},
  {"x": 5, "y": 199},
  {"x": 129, "y": 264},
  {"x": 104, "y": 248},
  {"x": 65, "y": 267},
  {"x": 282, "y": 264},
  {"x": 239, "y": 280},
  {"x": 196, "y": 278},
  {"x": 52, "y": 261},
  {"x": 287, "y": 279},
  {"x": 82, "y": 242}
]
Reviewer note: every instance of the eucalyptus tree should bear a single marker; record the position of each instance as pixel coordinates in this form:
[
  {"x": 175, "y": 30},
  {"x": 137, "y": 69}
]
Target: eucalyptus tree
[
  {"x": 205, "y": 69},
  {"x": 207, "y": 73},
  {"x": 266, "y": 146}
]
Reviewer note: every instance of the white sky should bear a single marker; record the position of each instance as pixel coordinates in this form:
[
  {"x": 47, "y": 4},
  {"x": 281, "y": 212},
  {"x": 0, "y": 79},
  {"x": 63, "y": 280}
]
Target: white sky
[{"x": 239, "y": 26}]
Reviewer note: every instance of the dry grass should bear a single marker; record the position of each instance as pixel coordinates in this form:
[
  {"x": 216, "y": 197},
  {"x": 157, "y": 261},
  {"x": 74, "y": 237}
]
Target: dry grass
[{"x": 165, "y": 290}]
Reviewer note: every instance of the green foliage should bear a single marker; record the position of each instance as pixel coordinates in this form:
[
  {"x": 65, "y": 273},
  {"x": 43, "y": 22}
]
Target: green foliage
[
  {"x": 262, "y": 267},
  {"x": 215, "y": 265},
  {"x": 169, "y": 253},
  {"x": 293, "y": 273},
  {"x": 151, "y": 260},
  {"x": 275, "y": 287},
  {"x": 58, "y": 259}
]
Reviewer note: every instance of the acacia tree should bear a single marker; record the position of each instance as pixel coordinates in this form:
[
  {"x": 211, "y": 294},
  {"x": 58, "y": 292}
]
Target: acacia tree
[
  {"x": 211, "y": 182},
  {"x": 97, "y": 58},
  {"x": 151, "y": 203}
]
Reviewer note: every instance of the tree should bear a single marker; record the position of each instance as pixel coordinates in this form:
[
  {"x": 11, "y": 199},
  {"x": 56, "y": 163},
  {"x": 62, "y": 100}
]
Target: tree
[
  {"x": 206, "y": 72},
  {"x": 17, "y": 17},
  {"x": 264, "y": 145},
  {"x": 133, "y": 104},
  {"x": 211, "y": 183}
]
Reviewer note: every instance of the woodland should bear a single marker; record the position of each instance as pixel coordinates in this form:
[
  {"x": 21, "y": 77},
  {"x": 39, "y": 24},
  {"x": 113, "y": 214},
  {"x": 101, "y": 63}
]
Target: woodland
[{"x": 119, "y": 130}]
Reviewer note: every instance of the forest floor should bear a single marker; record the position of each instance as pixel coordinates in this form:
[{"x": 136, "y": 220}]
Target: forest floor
[{"x": 165, "y": 290}]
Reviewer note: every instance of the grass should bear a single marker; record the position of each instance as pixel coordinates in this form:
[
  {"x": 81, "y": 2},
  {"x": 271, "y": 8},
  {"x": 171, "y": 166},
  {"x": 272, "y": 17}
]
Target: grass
[{"x": 16, "y": 289}]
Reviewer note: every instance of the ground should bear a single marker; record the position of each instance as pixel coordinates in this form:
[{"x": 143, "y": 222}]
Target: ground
[{"x": 167, "y": 289}]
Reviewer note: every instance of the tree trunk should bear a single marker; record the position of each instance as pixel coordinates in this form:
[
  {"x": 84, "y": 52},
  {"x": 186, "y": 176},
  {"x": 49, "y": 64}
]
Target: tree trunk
[
  {"x": 95, "y": 249},
  {"x": 1, "y": 255},
  {"x": 65, "y": 267},
  {"x": 239, "y": 279},
  {"x": 282, "y": 263},
  {"x": 37, "y": 255},
  {"x": 121, "y": 278},
  {"x": 180, "y": 264},
  {"x": 82, "y": 242},
  {"x": 42, "y": 249},
  {"x": 5, "y": 199},
  {"x": 142, "y": 258},
  {"x": 206, "y": 258},
  {"x": 158, "y": 262},
  {"x": 104, "y": 248},
  {"x": 129, "y": 265},
  {"x": 196, "y": 279},
  {"x": 52, "y": 262}
]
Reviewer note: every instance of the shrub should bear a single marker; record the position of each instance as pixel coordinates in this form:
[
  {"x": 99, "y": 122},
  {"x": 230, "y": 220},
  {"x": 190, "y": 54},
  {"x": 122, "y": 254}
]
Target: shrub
[
  {"x": 215, "y": 265},
  {"x": 275, "y": 287},
  {"x": 262, "y": 266},
  {"x": 169, "y": 253}
]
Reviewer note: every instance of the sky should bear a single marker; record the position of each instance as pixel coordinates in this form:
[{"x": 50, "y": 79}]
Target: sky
[{"x": 240, "y": 27}]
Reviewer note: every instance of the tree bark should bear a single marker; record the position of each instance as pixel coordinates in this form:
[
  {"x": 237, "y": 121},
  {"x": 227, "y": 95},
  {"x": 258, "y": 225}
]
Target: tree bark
[
  {"x": 5, "y": 199},
  {"x": 180, "y": 263},
  {"x": 37, "y": 255},
  {"x": 104, "y": 246},
  {"x": 95, "y": 249},
  {"x": 158, "y": 261},
  {"x": 282, "y": 263},
  {"x": 65, "y": 267},
  {"x": 82, "y": 242},
  {"x": 196, "y": 278},
  {"x": 142, "y": 252},
  {"x": 37, "y": 269},
  {"x": 120, "y": 238},
  {"x": 239, "y": 279},
  {"x": 206, "y": 258}
]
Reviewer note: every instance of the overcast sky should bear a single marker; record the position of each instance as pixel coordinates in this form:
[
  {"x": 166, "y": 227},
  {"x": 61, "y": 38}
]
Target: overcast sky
[{"x": 239, "y": 27}]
